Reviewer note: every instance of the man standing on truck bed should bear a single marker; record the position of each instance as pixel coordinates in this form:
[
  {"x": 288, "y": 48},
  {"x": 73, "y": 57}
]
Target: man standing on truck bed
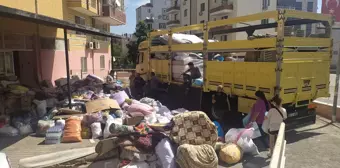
[{"x": 195, "y": 73}]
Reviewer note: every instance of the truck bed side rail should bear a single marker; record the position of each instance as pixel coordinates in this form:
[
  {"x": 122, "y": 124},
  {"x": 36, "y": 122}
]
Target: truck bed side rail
[{"x": 278, "y": 159}]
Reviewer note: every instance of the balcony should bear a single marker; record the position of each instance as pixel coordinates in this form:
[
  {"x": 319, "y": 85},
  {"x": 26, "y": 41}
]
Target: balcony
[
  {"x": 222, "y": 9},
  {"x": 149, "y": 20},
  {"x": 112, "y": 14},
  {"x": 173, "y": 9},
  {"x": 286, "y": 7},
  {"x": 87, "y": 7},
  {"x": 220, "y": 30},
  {"x": 173, "y": 23}
]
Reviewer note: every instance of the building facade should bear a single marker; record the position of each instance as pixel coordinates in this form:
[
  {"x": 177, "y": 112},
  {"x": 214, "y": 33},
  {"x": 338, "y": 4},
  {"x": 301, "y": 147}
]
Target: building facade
[
  {"x": 34, "y": 51},
  {"x": 154, "y": 14},
  {"x": 188, "y": 12}
]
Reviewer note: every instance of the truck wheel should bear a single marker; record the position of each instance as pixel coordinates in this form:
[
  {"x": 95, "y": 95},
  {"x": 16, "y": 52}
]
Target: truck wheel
[{"x": 217, "y": 114}]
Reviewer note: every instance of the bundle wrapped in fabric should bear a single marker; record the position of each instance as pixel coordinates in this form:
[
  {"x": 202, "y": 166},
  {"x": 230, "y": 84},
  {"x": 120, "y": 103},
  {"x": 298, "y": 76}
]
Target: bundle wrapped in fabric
[
  {"x": 198, "y": 156},
  {"x": 231, "y": 153},
  {"x": 193, "y": 128},
  {"x": 43, "y": 126}
]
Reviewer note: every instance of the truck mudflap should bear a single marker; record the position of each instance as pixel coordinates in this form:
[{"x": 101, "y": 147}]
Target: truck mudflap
[{"x": 300, "y": 117}]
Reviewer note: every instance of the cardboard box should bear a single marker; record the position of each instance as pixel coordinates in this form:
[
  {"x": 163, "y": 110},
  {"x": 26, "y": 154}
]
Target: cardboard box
[
  {"x": 101, "y": 104},
  {"x": 133, "y": 120}
]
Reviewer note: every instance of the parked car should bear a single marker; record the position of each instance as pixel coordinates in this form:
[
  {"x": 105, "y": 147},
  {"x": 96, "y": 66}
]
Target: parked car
[{"x": 4, "y": 161}]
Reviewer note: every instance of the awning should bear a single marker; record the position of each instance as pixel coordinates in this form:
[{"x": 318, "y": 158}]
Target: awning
[{"x": 53, "y": 22}]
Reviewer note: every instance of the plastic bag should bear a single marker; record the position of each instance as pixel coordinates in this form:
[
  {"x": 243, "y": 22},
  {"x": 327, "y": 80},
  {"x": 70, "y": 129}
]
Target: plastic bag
[
  {"x": 109, "y": 121},
  {"x": 8, "y": 130},
  {"x": 96, "y": 130},
  {"x": 165, "y": 154},
  {"x": 43, "y": 126},
  {"x": 72, "y": 131},
  {"x": 120, "y": 97},
  {"x": 242, "y": 137},
  {"x": 41, "y": 107},
  {"x": 25, "y": 130},
  {"x": 248, "y": 146},
  {"x": 60, "y": 122},
  {"x": 257, "y": 132},
  {"x": 232, "y": 134}
]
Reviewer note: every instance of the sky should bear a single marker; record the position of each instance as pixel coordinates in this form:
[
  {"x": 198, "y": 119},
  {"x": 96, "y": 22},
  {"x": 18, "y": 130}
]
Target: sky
[{"x": 130, "y": 8}]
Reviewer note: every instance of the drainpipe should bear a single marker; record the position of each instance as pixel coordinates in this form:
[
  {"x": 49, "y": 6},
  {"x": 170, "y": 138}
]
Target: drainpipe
[{"x": 37, "y": 48}]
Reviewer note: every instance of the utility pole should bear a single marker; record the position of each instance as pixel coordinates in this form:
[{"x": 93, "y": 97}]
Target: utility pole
[{"x": 336, "y": 89}]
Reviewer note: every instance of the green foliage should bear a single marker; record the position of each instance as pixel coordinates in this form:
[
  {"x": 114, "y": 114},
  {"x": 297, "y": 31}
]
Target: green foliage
[
  {"x": 117, "y": 50},
  {"x": 141, "y": 34}
]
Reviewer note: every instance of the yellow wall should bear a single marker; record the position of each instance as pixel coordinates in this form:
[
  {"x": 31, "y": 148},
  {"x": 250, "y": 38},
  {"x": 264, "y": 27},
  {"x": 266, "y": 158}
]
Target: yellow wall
[
  {"x": 26, "y": 5},
  {"x": 58, "y": 9}
]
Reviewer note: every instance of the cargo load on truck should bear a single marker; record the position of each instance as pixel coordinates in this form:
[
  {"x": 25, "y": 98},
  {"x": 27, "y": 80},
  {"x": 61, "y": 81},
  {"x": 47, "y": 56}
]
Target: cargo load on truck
[{"x": 275, "y": 57}]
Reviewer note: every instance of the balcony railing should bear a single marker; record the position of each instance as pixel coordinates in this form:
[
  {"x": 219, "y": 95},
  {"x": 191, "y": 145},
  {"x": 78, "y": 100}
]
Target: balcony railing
[
  {"x": 286, "y": 7},
  {"x": 172, "y": 9},
  {"x": 173, "y": 22},
  {"x": 87, "y": 7},
  {"x": 222, "y": 9},
  {"x": 112, "y": 15}
]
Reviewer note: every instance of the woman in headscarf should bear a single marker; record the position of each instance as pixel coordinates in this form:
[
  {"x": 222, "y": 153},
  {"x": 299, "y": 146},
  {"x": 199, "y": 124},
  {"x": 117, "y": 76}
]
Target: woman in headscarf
[{"x": 257, "y": 114}]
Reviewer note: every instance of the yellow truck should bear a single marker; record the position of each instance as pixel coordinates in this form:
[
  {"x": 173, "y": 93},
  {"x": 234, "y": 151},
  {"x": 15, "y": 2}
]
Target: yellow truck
[{"x": 292, "y": 66}]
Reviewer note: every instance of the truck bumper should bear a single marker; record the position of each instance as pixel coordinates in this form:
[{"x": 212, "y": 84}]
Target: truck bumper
[{"x": 304, "y": 117}]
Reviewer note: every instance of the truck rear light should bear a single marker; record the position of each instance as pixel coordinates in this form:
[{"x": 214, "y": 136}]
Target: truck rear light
[{"x": 311, "y": 106}]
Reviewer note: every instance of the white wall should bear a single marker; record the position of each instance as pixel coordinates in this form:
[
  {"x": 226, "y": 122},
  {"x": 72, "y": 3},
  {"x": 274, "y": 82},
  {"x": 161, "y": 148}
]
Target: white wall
[{"x": 157, "y": 12}]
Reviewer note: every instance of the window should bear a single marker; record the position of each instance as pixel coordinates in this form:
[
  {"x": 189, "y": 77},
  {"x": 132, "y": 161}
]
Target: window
[
  {"x": 225, "y": 37},
  {"x": 102, "y": 62},
  {"x": 310, "y": 6},
  {"x": 83, "y": 64},
  {"x": 265, "y": 4},
  {"x": 186, "y": 13},
  {"x": 202, "y": 7},
  {"x": 224, "y": 17},
  {"x": 80, "y": 21},
  {"x": 149, "y": 10},
  {"x": 202, "y": 21},
  {"x": 165, "y": 17},
  {"x": 162, "y": 26},
  {"x": 150, "y": 26},
  {"x": 308, "y": 30},
  {"x": 175, "y": 16},
  {"x": 298, "y": 5},
  {"x": 264, "y": 21},
  {"x": 159, "y": 16},
  {"x": 164, "y": 11},
  {"x": 6, "y": 63}
]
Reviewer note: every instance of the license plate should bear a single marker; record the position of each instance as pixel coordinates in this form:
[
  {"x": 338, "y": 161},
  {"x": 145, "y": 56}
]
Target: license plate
[{"x": 293, "y": 114}]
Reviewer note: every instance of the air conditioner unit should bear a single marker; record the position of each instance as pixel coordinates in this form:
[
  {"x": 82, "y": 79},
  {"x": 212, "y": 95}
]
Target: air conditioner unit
[
  {"x": 97, "y": 45},
  {"x": 201, "y": 13},
  {"x": 90, "y": 45}
]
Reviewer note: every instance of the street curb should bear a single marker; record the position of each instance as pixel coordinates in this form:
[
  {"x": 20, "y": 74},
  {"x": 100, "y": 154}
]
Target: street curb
[{"x": 325, "y": 110}]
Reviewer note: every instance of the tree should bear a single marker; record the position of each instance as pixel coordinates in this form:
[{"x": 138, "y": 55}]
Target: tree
[{"x": 141, "y": 34}]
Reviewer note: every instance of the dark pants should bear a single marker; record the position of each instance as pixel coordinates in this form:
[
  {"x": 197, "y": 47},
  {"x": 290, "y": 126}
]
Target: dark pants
[
  {"x": 264, "y": 137},
  {"x": 188, "y": 79}
]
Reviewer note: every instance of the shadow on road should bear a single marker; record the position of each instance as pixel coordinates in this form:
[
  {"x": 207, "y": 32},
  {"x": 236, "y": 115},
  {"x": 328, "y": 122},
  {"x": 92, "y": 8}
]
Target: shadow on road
[
  {"x": 295, "y": 136},
  {"x": 8, "y": 141}
]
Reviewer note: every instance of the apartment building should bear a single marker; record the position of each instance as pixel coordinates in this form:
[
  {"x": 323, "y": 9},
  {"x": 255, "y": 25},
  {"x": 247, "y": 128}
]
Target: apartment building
[
  {"x": 154, "y": 14},
  {"x": 188, "y": 12},
  {"x": 31, "y": 50}
]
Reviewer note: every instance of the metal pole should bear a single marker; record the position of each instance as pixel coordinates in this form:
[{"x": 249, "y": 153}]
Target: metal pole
[
  {"x": 336, "y": 90},
  {"x": 67, "y": 68}
]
